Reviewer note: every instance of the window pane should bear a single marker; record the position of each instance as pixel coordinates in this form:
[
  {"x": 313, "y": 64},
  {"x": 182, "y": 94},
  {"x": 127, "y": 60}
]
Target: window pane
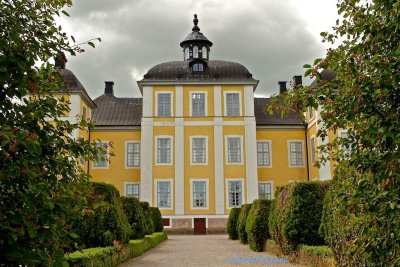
[
  {"x": 264, "y": 190},
  {"x": 164, "y": 194},
  {"x": 195, "y": 52},
  {"x": 101, "y": 163},
  {"x": 199, "y": 150},
  {"x": 204, "y": 52},
  {"x": 234, "y": 150},
  {"x": 296, "y": 153},
  {"x": 187, "y": 53},
  {"x": 163, "y": 150},
  {"x": 232, "y": 104},
  {"x": 132, "y": 190},
  {"x": 235, "y": 193},
  {"x": 133, "y": 155},
  {"x": 198, "y": 104},
  {"x": 263, "y": 154},
  {"x": 199, "y": 194},
  {"x": 313, "y": 150},
  {"x": 164, "y": 104}
]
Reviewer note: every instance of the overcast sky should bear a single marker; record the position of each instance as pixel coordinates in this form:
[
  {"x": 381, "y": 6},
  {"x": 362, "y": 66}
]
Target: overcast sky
[{"x": 273, "y": 39}]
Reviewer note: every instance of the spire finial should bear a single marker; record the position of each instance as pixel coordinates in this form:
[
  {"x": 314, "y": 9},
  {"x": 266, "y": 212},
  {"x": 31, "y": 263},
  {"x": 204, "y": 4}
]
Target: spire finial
[{"x": 195, "y": 22}]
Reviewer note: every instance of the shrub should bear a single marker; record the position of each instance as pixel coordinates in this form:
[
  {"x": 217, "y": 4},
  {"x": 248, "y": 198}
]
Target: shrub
[
  {"x": 149, "y": 226},
  {"x": 241, "y": 224},
  {"x": 133, "y": 210},
  {"x": 232, "y": 223},
  {"x": 107, "y": 222},
  {"x": 257, "y": 224},
  {"x": 296, "y": 215},
  {"x": 157, "y": 219}
]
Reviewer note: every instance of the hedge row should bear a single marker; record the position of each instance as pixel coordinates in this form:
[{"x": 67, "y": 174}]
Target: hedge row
[
  {"x": 257, "y": 224},
  {"x": 111, "y": 256},
  {"x": 241, "y": 224},
  {"x": 232, "y": 223}
]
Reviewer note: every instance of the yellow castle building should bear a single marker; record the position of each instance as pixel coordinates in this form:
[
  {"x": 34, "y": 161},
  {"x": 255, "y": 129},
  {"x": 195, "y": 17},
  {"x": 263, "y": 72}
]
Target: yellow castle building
[{"x": 198, "y": 143}]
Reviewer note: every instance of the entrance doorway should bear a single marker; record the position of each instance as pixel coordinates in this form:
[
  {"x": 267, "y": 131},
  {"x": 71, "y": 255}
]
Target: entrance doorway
[{"x": 199, "y": 226}]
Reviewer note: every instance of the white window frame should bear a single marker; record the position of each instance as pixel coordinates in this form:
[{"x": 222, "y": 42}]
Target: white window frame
[
  {"x": 313, "y": 153},
  {"x": 107, "y": 156},
  {"x": 191, "y": 149},
  {"x": 270, "y": 153},
  {"x": 266, "y": 182},
  {"x": 172, "y": 103},
  {"x": 227, "y": 180},
  {"x": 191, "y": 93},
  {"x": 84, "y": 112},
  {"x": 241, "y": 150},
  {"x": 131, "y": 183},
  {"x": 192, "y": 193},
  {"x": 302, "y": 150},
  {"x": 172, "y": 200},
  {"x": 346, "y": 151},
  {"x": 186, "y": 53},
  {"x": 311, "y": 114},
  {"x": 195, "y": 51},
  {"x": 240, "y": 102},
  {"x": 156, "y": 147},
  {"x": 204, "y": 55},
  {"x": 126, "y": 153}
]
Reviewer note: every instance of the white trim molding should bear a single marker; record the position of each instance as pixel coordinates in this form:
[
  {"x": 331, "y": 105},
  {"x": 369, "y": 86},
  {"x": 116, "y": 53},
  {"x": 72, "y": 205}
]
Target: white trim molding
[
  {"x": 171, "y": 138},
  {"x": 126, "y": 153},
  {"x": 172, "y": 200},
  {"x": 241, "y": 149},
  {"x": 191, "y": 149},
  {"x": 240, "y": 103},
  {"x": 270, "y": 153},
  {"x": 205, "y": 103},
  {"x": 302, "y": 151},
  {"x": 206, "y": 180},
  {"x": 227, "y": 180},
  {"x": 172, "y": 103}
]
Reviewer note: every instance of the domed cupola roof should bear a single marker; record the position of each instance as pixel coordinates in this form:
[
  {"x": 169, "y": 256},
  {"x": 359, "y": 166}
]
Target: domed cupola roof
[{"x": 195, "y": 36}]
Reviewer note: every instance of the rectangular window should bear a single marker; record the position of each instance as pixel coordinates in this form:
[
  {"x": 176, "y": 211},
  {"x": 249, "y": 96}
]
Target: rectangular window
[
  {"x": 164, "y": 194},
  {"x": 132, "y": 190},
  {"x": 296, "y": 153},
  {"x": 235, "y": 193},
  {"x": 199, "y": 151},
  {"x": 133, "y": 154},
  {"x": 232, "y": 104},
  {"x": 199, "y": 194},
  {"x": 264, "y": 190},
  {"x": 198, "y": 104},
  {"x": 346, "y": 150},
  {"x": 311, "y": 113},
  {"x": 164, "y": 150},
  {"x": 313, "y": 150},
  {"x": 103, "y": 160},
  {"x": 84, "y": 113},
  {"x": 164, "y": 104},
  {"x": 263, "y": 154},
  {"x": 234, "y": 150}
]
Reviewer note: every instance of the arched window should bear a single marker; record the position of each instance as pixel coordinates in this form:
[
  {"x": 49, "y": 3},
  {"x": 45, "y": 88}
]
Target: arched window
[
  {"x": 204, "y": 52},
  {"x": 198, "y": 67},
  {"x": 195, "y": 52},
  {"x": 187, "y": 53}
]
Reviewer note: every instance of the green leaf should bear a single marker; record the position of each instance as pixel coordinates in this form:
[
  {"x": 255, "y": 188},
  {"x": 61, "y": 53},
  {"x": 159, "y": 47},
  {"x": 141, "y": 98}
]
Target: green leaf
[
  {"x": 306, "y": 66},
  {"x": 65, "y": 13},
  {"x": 91, "y": 44}
]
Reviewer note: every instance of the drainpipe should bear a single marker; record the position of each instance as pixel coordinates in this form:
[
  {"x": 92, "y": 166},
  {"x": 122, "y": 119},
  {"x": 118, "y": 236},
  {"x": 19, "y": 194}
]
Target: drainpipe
[
  {"x": 88, "y": 163},
  {"x": 308, "y": 164}
]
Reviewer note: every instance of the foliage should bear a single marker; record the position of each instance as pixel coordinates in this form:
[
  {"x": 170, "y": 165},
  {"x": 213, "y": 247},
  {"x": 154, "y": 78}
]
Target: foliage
[
  {"x": 133, "y": 210},
  {"x": 113, "y": 256},
  {"x": 149, "y": 226},
  {"x": 323, "y": 251},
  {"x": 241, "y": 224},
  {"x": 365, "y": 98},
  {"x": 296, "y": 215},
  {"x": 41, "y": 181},
  {"x": 157, "y": 219},
  {"x": 107, "y": 222},
  {"x": 232, "y": 223},
  {"x": 257, "y": 224}
]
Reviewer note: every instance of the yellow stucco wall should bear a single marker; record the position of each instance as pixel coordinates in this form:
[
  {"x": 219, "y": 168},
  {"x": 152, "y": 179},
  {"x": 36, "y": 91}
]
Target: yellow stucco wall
[{"x": 312, "y": 133}]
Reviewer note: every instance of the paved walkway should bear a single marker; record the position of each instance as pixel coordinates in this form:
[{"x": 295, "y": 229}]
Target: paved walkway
[{"x": 205, "y": 250}]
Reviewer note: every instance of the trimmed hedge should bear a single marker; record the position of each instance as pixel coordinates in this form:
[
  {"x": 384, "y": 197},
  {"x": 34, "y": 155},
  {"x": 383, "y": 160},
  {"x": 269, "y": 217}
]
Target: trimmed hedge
[
  {"x": 296, "y": 215},
  {"x": 241, "y": 224},
  {"x": 232, "y": 223},
  {"x": 111, "y": 256},
  {"x": 107, "y": 222},
  {"x": 257, "y": 224},
  {"x": 157, "y": 219},
  {"x": 149, "y": 226},
  {"x": 136, "y": 219}
]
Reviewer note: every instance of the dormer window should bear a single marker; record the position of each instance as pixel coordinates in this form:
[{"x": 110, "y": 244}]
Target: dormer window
[
  {"x": 195, "y": 52},
  {"x": 204, "y": 52},
  {"x": 187, "y": 53},
  {"x": 198, "y": 67}
]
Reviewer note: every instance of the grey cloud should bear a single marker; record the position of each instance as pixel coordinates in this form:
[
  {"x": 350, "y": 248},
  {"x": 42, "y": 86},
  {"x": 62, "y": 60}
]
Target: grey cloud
[{"x": 267, "y": 37}]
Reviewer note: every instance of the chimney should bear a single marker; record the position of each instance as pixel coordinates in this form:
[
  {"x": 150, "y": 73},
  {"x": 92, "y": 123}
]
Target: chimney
[
  {"x": 60, "y": 60},
  {"x": 109, "y": 90},
  {"x": 282, "y": 87},
  {"x": 297, "y": 80}
]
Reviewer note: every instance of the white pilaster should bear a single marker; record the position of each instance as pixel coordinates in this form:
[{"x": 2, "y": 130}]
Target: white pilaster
[
  {"x": 324, "y": 169},
  {"x": 218, "y": 150},
  {"x": 179, "y": 154},
  {"x": 217, "y": 101},
  {"x": 146, "y": 155},
  {"x": 249, "y": 100},
  {"x": 251, "y": 159},
  {"x": 147, "y": 101}
]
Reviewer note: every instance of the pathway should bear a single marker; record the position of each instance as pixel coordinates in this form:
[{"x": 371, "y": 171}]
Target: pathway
[{"x": 203, "y": 250}]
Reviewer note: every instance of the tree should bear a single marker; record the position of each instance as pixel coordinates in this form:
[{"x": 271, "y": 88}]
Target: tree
[
  {"x": 364, "y": 98},
  {"x": 41, "y": 181}
]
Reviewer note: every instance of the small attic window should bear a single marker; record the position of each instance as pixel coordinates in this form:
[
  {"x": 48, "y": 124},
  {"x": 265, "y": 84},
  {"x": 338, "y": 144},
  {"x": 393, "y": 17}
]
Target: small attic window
[
  {"x": 198, "y": 67},
  {"x": 195, "y": 52},
  {"x": 187, "y": 53},
  {"x": 204, "y": 52}
]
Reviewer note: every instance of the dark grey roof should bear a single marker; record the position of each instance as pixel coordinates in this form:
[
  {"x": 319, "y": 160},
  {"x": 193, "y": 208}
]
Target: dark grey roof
[
  {"x": 264, "y": 118},
  {"x": 196, "y": 36},
  {"x": 70, "y": 80},
  {"x": 114, "y": 111},
  {"x": 217, "y": 70},
  {"x": 326, "y": 75}
]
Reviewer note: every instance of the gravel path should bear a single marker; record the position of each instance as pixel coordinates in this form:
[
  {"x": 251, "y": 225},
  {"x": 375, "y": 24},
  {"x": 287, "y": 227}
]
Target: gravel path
[{"x": 203, "y": 250}]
